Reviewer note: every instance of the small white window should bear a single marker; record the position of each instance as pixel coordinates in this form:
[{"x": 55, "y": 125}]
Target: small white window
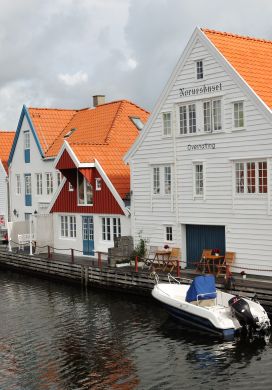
[
  {"x": 167, "y": 125},
  {"x": 18, "y": 185},
  {"x": 49, "y": 183},
  {"x": 238, "y": 115},
  {"x": 169, "y": 233},
  {"x": 162, "y": 180},
  {"x": 28, "y": 190},
  {"x": 137, "y": 122},
  {"x": 198, "y": 179},
  {"x": 167, "y": 180},
  {"x": 98, "y": 184},
  {"x": 68, "y": 226},
  {"x": 70, "y": 187},
  {"x": 156, "y": 180},
  {"x": 199, "y": 70},
  {"x": 111, "y": 228},
  {"x": 26, "y": 139},
  {"x": 39, "y": 183},
  {"x": 212, "y": 115},
  {"x": 187, "y": 119}
]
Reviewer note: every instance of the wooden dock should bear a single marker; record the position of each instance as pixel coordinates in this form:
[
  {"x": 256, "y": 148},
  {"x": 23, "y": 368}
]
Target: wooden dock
[{"x": 87, "y": 272}]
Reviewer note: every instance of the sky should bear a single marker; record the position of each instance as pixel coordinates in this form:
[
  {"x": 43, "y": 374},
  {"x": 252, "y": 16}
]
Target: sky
[{"x": 59, "y": 53}]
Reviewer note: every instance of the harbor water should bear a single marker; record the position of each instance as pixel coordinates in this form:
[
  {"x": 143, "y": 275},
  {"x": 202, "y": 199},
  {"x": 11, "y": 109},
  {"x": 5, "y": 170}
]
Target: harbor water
[{"x": 57, "y": 336}]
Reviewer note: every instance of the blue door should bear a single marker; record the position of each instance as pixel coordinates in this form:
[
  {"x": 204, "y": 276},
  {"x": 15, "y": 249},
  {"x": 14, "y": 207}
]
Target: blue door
[
  {"x": 199, "y": 237},
  {"x": 88, "y": 235}
]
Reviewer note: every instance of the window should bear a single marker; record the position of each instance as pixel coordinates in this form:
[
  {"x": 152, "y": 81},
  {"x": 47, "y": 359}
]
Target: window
[
  {"x": 27, "y": 146},
  {"x": 49, "y": 183},
  {"x": 98, "y": 184},
  {"x": 39, "y": 183},
  {"x": 26, "y": 139},
  {"x": 59, "y": 178},
  {"x": 70, "y": 187},
  {"x": 212, "y": 115},
  {"x": 169, "y": 233},
  {"x": 18, "y": 185},
  {"x": 85, "y": 191},
  {"x": 167, "y": 127},
  {"x": 251, "y": 177},
  {"x": 137, "y": 122},
  {"x": 238, "y": 114},
  {"x": 68, "y": 226},
  {"x": 111, "y": 228},
  {"x": 198, "y": 179},
  {"x": 187, "y": 119},
  {"x": 199, "y": 70},
  {"x": 28, "y": 184},
  {"x": 162, "y": 180}
]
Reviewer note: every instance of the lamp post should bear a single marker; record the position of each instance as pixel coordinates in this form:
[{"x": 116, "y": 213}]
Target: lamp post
[{"x": 30, "y": 232}]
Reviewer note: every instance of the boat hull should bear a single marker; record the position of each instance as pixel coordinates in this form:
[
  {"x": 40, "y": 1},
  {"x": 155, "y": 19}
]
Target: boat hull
[{"x": 197, "y": 322}]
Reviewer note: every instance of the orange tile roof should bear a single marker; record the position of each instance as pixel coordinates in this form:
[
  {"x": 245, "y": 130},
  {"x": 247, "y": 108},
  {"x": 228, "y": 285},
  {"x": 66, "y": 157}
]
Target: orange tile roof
[
  {"x": 48, "y": 124},
  {"x": 6, "y": 141},
  {"x": 251, "y": 57},
  {"x": 105, "y": 133}
]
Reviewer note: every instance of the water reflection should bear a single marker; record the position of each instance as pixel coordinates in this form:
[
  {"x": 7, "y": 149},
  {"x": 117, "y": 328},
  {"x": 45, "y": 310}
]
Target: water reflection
[{"x": 55, "y": 336}]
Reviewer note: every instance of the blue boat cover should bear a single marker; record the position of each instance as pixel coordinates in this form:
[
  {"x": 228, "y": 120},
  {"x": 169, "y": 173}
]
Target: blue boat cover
[{"x": 202, "y": 287}]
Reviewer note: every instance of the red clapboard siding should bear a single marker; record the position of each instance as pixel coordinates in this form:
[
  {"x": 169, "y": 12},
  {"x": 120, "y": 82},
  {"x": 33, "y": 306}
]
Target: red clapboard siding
[
  {"x": 103, "y": 200},
  {"x": 65, "y": 162}
]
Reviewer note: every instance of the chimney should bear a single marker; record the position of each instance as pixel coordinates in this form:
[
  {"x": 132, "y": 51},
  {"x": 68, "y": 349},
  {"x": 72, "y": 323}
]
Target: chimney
[{"x": 98, "y": 100}]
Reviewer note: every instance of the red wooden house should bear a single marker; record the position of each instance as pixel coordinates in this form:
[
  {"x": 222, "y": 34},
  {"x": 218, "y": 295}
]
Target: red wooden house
[{"x": 90, "y": 207}]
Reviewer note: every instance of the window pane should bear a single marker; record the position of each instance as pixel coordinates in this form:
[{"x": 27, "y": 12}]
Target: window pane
[
  {"x": 251, "y": 187},
  {"x": 207, "y": 117},
  {"x": 156, "y": 180},
  {"x": 167, "y": 180},
  {"x": 108, "y": 229},
  {"x": 167, "y": 123},
  {"x": 80, "y": 188},
  {"x": 239, "y": 114},
  {"x": 239, "y": 173},
  {"x": 199, "y": 70},
  {"x": 103, "y": 228},
  {"x": 217, "y": 125},
  {"x": 262, "y": 177},
  {"x": 89, "y": 192},
  {"x": 199, "y": 179},
  {"x": 169, "y": 233},
  {"x": 183, "y": 120},
  {"x": 192, "y": 118}
]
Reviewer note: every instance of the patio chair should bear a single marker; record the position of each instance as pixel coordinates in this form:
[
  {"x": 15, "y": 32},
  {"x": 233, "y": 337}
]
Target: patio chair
[
  {"x": 174, "y": 258},
  {"x": 202, "y": 264},
  {"x": 224, "y": 268},
  {"x": 149, "y": 259}
]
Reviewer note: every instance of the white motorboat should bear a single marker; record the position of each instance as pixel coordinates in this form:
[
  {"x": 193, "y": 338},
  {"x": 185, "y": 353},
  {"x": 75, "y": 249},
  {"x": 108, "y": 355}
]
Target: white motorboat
[{"x": 202, "y": 306}]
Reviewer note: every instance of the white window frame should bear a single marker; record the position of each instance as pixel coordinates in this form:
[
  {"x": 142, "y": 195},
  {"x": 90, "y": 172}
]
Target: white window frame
[
  {"x": 98, "y": 183},
  {"x": 235, "y": 123},
  {"x": 197, "y": 68},
  {"x": 39, "y": 184},
  {"x": 28, "y": 187},
  {"x": 26, "y": 139},
  {"x": 18, "y": 184},
  {"x": 212, "y": 117},
  {"x": 167, "y": 123},
  {"x": 187, "y": 123},
  {"x": 197, "y": 193},
  {"x": 250, "y": 184},
  {"x": 111, "y": 228},
  {"x": 49, "y": 183},
  {"x": 68, "y": 226},
  {"x": 169, "y": 233},
  {"x": 86, "y": 184},
  {"x": 162, "y": 180}
]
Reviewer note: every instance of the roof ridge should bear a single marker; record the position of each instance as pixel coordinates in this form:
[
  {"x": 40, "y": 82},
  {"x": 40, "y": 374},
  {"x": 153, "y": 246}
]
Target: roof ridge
[
  {"x": 7, "y": 131},
  {"x": 107, "y": 138},
  {"x": 206, "y": 30},
  {"x": 53, "y": 109}
]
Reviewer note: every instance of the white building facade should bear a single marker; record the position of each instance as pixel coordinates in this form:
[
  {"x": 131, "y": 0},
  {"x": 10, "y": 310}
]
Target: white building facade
[{"x": 201, "y": 170}]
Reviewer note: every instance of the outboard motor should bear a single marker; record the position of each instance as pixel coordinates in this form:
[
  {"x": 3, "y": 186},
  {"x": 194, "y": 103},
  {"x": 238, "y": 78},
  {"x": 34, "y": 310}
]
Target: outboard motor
[{"x": 241, "y": 310}]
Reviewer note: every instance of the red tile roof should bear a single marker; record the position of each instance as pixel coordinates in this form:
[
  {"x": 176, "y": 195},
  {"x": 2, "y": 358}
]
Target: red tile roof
[
  {"x": 104, "y": 133},
  {"x": 49, "y": 123},
  {"x": 6, "y": 141},
  {"x": 251, "y": 57}
]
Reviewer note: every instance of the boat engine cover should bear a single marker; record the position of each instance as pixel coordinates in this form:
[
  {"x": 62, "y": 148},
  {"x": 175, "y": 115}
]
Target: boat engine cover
[{"x": 240, "y": 308}]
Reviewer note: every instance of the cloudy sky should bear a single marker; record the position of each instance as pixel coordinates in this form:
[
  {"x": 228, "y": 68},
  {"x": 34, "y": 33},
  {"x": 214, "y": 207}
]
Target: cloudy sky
[{"x": 58, "y": 53}]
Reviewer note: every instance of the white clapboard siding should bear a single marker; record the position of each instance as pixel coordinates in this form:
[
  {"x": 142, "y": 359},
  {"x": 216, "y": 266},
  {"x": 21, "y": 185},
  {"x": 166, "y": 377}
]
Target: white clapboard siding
[{"x": 248, "y": 219}]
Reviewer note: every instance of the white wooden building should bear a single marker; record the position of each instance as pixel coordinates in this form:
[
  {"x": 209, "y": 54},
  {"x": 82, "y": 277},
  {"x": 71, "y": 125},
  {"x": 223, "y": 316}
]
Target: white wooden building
[{"x": 201, "y": 169}]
